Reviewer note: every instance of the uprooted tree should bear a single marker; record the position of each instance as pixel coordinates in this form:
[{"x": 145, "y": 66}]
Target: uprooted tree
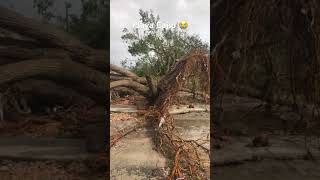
[
  {"x": 42, "y": 64},
  {"x": 156, "y": 50},
  {"x": 159, "y": 54},
  {"x": 185, "y": 155}
]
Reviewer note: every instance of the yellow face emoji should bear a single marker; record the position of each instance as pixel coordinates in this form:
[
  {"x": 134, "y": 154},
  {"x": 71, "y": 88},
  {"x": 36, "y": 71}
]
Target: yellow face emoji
[{"x": 183, "y": 24}]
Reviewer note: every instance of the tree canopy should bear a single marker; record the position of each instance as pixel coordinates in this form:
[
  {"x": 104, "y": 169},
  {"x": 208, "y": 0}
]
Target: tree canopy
[{"x": 156, "y": 47}]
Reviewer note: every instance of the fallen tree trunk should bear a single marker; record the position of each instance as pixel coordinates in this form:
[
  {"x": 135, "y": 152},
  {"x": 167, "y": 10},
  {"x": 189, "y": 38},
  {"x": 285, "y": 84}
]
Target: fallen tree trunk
[
  {"x": 185, "y": 152},
  {"x": 42, "y": 32},
  {"x": 132, "y": 85},
  {"x": 22, "y": 43},
  {"x": 172, "y": 82},
  {"x": 118, "y": 78},
  {"x": 127, "y": 73},
  {"x": 18, "y": 53},
  {"x": 79, "y": 76},
  {"x": 121, "y": 77},
  {"x": 4, "y": 33},
  {"x": 50, "y": 35}
]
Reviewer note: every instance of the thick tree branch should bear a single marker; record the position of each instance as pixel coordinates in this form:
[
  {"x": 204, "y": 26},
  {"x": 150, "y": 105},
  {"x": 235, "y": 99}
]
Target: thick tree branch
[
  {"x": 75, "y": 74},
  {"x": 127, "y": 73},
  {"x": 132, "y": 85},
  {"x": 48, "y": 34},
  {"x": 15, "y": 52}
]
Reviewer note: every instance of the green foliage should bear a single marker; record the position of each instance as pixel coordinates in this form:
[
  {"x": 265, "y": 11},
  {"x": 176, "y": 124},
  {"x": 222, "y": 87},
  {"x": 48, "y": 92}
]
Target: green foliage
[
  {"x": 93, "y": 24},
  {"x": 157, "y": 48}
]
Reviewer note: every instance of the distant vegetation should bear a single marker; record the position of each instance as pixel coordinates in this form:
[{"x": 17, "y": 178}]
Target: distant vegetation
[{"x": 91, "y": 26}]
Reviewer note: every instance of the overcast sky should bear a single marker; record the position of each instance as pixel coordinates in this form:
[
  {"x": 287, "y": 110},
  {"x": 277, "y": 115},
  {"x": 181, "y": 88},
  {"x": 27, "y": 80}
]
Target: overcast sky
[{"x": 124, "y": 13}]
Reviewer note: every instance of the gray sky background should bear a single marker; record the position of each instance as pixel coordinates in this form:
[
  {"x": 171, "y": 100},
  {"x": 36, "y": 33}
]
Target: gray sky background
[{"x": 124, "y": 13}]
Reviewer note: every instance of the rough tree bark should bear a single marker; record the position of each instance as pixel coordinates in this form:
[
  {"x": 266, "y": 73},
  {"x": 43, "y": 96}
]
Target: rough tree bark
[
  {"x": 131, "y": 84},
  {"x": 44, "y": 60},
  {"x": 51, "y": 36},
  {"x": 56, "y": 69},
  {"x": 18, "y": 53},
  {"x": 127, "y": 73}
]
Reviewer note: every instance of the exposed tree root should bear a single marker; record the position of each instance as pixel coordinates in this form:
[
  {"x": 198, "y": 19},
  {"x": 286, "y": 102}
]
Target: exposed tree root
[{"x": 187, "y": 162}]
